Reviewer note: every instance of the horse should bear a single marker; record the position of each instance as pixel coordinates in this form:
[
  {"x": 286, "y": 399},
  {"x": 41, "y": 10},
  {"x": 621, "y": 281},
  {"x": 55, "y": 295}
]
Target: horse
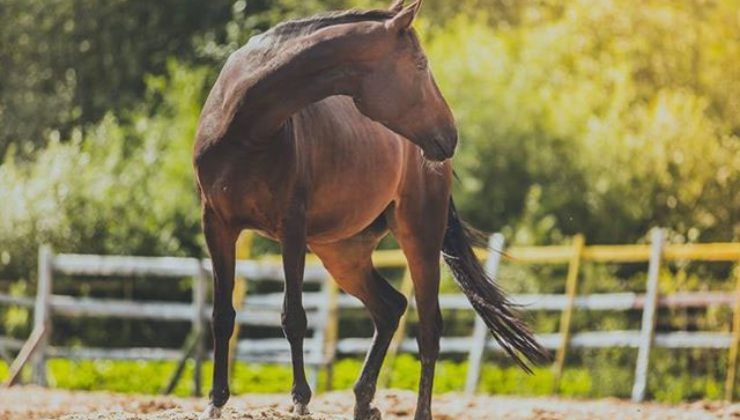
[{"x": 324, "y": 134}]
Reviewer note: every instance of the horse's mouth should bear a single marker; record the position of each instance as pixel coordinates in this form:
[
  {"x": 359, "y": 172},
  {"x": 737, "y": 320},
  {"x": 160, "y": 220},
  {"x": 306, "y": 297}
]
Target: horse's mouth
[{"x": 435, "y": 155}]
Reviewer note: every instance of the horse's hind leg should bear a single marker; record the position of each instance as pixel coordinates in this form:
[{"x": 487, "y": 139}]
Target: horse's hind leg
[
  {"x": 350, "y": 264},
  {"x": 221, "y": 239}
]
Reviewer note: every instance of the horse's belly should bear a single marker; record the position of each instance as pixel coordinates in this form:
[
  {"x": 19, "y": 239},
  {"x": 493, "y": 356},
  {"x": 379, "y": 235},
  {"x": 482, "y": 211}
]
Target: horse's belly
[
  {"x": 345, "y": 217},
  {"x": 346, "y": 200}
]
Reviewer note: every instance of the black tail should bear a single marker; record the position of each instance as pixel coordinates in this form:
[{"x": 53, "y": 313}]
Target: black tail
[{"x": 486, "y": 297}]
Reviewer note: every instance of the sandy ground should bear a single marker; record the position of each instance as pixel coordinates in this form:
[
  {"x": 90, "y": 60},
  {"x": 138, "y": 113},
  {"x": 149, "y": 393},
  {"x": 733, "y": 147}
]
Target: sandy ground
[{"x": 37, "y": 403}]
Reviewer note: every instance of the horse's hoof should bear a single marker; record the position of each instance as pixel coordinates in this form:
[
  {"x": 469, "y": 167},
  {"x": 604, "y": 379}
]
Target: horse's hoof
[
  {"x": 211, "y": 412},
  {"x": 371, "y": 413},
  {"x": 300, "y": 409}
]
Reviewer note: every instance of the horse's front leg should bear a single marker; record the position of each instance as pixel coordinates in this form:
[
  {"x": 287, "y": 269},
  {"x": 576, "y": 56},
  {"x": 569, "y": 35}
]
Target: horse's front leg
[{"x": 294, "y": 316}]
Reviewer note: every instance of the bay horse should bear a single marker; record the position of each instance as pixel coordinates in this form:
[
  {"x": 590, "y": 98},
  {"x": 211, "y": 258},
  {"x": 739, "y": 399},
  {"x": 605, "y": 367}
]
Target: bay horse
[{"x": 325, "y": 134}]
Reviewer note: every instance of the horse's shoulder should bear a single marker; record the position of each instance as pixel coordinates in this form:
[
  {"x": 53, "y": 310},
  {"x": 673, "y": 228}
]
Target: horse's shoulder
[{"x": 236, "y": 75}]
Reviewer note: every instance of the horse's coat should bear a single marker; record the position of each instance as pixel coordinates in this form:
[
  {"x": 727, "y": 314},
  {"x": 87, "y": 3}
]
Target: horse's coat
[{"x": 319, "y": 134}]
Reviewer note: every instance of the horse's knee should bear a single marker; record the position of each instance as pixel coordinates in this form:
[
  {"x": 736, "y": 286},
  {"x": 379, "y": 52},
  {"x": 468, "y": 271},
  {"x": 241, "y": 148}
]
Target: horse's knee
[
  {"x": 223, "y": 322},
  {"x": 294, "y": 323}
]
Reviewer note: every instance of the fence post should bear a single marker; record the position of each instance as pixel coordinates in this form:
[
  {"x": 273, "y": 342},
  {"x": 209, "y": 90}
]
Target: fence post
[
  {"x": 657, "y": 237},
  {"x": 199, "y": 326},
  {"x": 317, "y": 345},
  {"x": 732, "y": 355},
  {"x": 41, "y": 313},
  {"x": 243, "y": 252},
  {"x": 407, "y": 289},
  {"x": 571, "y": 288},
  {"x": 480, "y": 331},
  {"x": 332, "y": 331}
]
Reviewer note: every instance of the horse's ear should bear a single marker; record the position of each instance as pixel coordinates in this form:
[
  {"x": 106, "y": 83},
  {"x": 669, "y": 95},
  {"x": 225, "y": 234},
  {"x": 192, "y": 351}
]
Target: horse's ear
[
  {"x": 397, "y": 6},
  {"x": 405, "y": 17}
]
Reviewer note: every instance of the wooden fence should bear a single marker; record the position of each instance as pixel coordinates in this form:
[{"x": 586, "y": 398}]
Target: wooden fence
[{"x": 325, "y": 306}]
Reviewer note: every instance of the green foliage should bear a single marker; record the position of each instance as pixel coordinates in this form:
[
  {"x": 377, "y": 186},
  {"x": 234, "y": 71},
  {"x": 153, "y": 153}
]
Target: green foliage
[
  {"x": 596, "y": 118},
  {"x": 67, "y": 63},
  {"x": 114, "y": 189}
]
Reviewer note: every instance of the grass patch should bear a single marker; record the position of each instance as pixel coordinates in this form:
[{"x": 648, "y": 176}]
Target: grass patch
[{"x": 150, "y": 377}]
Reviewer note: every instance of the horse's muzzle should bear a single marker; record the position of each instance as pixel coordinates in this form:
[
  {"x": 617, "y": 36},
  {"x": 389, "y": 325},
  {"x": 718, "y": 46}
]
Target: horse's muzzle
[{"x": 441, "y": 147}]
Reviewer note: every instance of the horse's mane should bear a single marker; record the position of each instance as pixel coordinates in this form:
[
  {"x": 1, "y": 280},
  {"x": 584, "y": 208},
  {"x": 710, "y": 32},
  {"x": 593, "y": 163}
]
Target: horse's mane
[
  {"x": 265, "y": 52},
  {"x": 273, "y": 38}
]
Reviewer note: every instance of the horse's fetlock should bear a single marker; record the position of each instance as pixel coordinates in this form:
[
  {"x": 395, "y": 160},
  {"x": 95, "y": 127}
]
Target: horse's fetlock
[
  {"x": 364, "y": 392},
  {"x": 301, "y": 393},
  {"x": 219, "y": 397}
]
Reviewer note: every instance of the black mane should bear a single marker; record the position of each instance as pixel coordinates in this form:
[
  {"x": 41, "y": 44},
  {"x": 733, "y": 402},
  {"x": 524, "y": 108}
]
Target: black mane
[{"x": 285, "y": 31}]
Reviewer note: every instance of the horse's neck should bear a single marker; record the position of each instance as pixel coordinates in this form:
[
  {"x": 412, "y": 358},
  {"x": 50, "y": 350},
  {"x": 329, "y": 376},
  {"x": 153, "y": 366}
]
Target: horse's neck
[{"x": 310, "y": 69}]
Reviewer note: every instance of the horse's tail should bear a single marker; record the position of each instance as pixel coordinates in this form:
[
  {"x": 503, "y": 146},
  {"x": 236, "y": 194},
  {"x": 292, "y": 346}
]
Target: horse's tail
[{"x": 486, "y": 297}]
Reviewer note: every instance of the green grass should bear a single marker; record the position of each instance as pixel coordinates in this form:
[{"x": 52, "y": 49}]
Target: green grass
[{"x": 150, "y": 378}]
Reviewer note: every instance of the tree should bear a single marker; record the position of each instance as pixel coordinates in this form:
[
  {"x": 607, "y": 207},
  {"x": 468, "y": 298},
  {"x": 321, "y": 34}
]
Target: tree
[
  {"x": 602, "y": 118},
  {"x": 67, "y": 63}
]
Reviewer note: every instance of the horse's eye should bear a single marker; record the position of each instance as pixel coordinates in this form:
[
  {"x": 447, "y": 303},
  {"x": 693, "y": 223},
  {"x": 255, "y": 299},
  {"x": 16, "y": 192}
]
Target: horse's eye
[{"x": 422, "y": 64}]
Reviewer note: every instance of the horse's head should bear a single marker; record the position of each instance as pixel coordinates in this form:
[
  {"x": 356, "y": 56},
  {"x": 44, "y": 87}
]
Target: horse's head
[{"x": 399, "y": 91}]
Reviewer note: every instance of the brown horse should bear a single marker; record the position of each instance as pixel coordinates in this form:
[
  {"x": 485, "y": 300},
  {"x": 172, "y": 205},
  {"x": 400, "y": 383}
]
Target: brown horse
[{"x": 312, "y": 136}]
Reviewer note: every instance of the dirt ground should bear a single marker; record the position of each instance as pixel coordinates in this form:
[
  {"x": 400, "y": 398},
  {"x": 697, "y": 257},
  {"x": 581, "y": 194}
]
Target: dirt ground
[{"x": 37, "y": 403}]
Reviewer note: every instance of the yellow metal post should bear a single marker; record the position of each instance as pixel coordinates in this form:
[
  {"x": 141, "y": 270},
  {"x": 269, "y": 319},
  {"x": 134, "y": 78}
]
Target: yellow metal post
[
  {"x": 243, "y": 252},
  {"x": 407, "y": 289},
  {"x": 571, "y": 287},
  {"x": 732, "y": 357}
]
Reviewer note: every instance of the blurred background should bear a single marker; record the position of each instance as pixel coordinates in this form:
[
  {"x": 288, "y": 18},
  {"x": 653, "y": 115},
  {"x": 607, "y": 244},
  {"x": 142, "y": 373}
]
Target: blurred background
[{"x": 603, "y": 118}]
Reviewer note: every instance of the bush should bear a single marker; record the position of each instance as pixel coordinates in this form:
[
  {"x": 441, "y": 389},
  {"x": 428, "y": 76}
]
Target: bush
[
  {"x": 114, "y": 189},
  {"x": 595, "y": 118}
]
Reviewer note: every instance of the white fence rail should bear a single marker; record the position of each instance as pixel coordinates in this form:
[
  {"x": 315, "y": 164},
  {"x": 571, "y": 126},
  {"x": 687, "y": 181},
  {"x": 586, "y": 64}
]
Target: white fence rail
[{"x": 263, "y": 310}]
